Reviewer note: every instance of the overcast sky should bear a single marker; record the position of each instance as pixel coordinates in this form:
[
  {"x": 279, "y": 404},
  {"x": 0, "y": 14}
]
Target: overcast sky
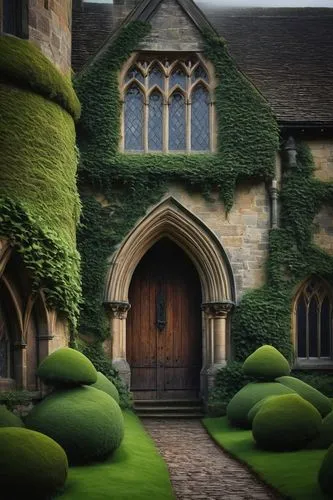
[{"x": 257, "y": 3}]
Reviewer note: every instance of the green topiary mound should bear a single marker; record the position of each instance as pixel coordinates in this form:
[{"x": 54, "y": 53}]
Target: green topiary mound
[
  {"x": 266, "y": 363},
  {"x": 286, "y": 422},
  {"x": 325, "y": 476},
  {"x": 67, "y": 367},
  {"x": 8, "y": 419},
  {"x": 86, "y": 422},
  {"x": 242, "y": 402},
  {"x": 325, "y": 438},
  {"x": 316, "y": 398},
  {"x": 254, "y": 410},
  {"x": 30, "y": 463},
  {"x": 105, "y": 385}
]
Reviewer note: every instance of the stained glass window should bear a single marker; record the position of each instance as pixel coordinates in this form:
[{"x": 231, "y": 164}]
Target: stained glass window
[
  {"x": 177, "y": 124},
  {"x": 200, "y": 120},
  {"x": 156, "y": 77},
  {"x": 314, "y": 321},
  {"x": 134, "y": 119},
  {"x": 178, "y": 77},
  {"x": 155, "y": 122}
]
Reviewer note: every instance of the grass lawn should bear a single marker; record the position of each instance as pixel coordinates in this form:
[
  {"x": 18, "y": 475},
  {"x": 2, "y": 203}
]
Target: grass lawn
[
  {"x": 135, "y": 471},
  {"x": 294, "y": 474}
]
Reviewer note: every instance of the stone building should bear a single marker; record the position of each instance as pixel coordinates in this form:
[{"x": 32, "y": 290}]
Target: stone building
[
  {"x": 196, "y": 242},
  {"x": 37, "y": 174}
]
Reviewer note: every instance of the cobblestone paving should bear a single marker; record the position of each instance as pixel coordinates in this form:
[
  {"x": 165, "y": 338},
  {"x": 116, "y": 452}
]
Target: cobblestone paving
[{"x": 198, "y": 468}]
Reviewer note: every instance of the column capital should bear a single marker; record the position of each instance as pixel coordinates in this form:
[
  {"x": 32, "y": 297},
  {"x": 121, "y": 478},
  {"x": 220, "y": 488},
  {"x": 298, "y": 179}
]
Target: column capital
[
  {"x": 218, "y": 309},
  {"x": 118, "y": 309}
]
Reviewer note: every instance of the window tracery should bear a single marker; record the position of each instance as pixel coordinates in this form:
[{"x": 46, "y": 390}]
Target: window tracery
[
  {"x": 313, "y": 315},
  {"x": 167, "y": 106}
]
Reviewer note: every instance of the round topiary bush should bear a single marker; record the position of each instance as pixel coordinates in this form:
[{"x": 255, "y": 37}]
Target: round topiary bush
[
  {"x": 316, "y": 398},
  {"x": 67, "y": 367},
  {"x": 286, "y": 423},
  {"x": 30, "y": 463},
  {"x": 254, "y": 410},
  {"x": 105, "y": 385},
  {"x": 242, "y": 402},
  {"x": 266, "y": 363},
  {"x": 325, "y": 438},
  {"x": 8, "y": 419},
  {"x": 85, "y": 421},
  {"x": 325, "y": 476}
]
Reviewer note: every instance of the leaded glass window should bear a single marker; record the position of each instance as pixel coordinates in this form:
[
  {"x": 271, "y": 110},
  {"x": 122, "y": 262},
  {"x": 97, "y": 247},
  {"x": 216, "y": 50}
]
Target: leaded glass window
[
  {"x": 167, "y": 105},
  {"x": 177, "y": 122},
  {"x": 314, "y": 321},
  {"x": 134, "y": 119},
  {"x": 200, "y": 119},
  {"x": 155, "y": 122}
]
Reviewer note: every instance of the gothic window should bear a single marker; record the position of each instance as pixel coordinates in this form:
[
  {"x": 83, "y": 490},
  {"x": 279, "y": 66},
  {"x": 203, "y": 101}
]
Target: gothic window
[
  {"x": 5, "y": 364},
  {"x": 313, "y": 315},
  {"x": 167, "y": 106}
]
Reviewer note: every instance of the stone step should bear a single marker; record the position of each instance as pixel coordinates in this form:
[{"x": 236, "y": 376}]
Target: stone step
[
  {"x": 167, "y": 402},
  {"x": 170, "y": 415}
]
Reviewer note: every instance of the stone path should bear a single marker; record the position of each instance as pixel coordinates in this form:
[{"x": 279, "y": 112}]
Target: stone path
[{"x": 198, "y": 468}]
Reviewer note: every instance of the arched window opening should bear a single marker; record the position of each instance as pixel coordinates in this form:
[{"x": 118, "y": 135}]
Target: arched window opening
[
  {"x": 155, "y": 123},
  {"x": 5, "y": 346},
  {"x": 134, "y": 119},
  {"x": 200, "y": 119},
  {"x": 167, "y": 106},
  {"x": 177, "y": 122},
  {"x": 314, "y": 321}
]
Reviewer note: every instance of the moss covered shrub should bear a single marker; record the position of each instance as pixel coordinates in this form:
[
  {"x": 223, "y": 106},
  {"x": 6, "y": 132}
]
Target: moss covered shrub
[
  {"x": 284, "y": 423},
  {"x": 8, "y": 419},
  {"x": 325, "y": 475},
  {"x": 266, "y": 363},
  {"x": 240, "y": 405},
  {"x": 104, "y": 384},
  {"x": 30, "y": 462},
  {"x": 85, "y": 421},
  {"x": 316, "y": 398},
  {"x": 67, "y": 367},
  {"x": 325, "y": 438}
]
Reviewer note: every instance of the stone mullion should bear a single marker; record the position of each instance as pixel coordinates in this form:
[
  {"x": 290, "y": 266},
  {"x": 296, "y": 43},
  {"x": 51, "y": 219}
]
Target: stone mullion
[{"x": 188, "y": 104}]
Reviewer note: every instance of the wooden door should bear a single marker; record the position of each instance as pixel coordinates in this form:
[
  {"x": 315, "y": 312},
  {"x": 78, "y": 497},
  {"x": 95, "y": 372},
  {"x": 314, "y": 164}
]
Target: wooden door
[{"x": 164, "y": 325}]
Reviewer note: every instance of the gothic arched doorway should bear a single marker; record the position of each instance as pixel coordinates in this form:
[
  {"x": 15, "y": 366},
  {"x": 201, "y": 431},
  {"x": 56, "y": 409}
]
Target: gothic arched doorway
[{"x": 164, "y": 325}]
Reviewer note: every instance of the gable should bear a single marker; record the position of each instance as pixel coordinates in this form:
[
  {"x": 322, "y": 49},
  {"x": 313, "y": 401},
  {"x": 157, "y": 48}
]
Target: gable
[{"x": 171, "y": 30}]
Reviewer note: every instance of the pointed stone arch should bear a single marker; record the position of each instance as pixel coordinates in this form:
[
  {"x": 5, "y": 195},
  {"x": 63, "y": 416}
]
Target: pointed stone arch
[{"x": 172, "y": 220}]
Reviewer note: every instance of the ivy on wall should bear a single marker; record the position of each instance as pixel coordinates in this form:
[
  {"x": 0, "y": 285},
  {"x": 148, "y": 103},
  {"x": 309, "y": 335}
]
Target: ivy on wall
[
  {"x": 39, "y": 201},
  {"x": 128, "y": 184},
  {"x": 264, "y": 315}
]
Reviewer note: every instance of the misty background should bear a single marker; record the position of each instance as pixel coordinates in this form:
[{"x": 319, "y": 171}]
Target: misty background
[{"x": 255, "y": 3}]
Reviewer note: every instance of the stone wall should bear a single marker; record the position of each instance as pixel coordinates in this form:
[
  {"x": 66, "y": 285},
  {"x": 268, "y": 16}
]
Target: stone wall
[
  {"x": 172, "y": 30},
  {"x": 243, "y": 233},
  {"x": 322, "y": 152},
  {"x": 50, "y": 29}
]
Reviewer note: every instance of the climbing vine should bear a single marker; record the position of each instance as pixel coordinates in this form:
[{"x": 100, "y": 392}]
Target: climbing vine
[
  {"x": 117, "y": 188},
  {"x": 39, "y": 201},
  {"x": 263, "y": 316}
]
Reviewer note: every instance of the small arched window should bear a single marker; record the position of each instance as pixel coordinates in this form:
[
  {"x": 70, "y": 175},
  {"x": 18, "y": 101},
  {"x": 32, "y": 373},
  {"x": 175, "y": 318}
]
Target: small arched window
[
  {"x": 5, "y": 347},
  {"x": 313, "y": 321},
  {"x": 167, "y": 106}
]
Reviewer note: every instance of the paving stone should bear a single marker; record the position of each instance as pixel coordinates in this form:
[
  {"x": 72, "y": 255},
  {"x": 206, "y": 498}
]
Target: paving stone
[{"x": 199, "y": 469}]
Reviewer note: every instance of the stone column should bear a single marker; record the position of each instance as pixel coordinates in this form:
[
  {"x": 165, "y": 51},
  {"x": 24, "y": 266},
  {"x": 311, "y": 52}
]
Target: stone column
[
  {"x": 118, "y": 313},
  {"x": 274, "y": 201},
  {"x": 216, "y": 313}
]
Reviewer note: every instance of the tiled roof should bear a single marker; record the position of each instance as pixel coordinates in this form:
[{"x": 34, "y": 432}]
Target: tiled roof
[{"x": 286, "y": 53}]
